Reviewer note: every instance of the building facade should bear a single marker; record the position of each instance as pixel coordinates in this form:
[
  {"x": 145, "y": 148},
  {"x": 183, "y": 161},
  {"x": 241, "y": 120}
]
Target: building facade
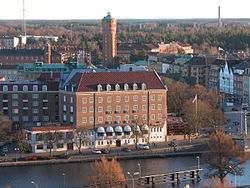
[
  {"x": 109, "y": 38},
  {"x": 8, "y": 42}
]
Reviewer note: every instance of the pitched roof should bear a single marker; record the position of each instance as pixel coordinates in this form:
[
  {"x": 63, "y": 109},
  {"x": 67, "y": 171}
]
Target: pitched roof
[
  {"x": 32, "y": 52},
  {"x": 134, "y": 46},
  {"x": 197, "y": 60},
  {"x": 87, "y": 82}
]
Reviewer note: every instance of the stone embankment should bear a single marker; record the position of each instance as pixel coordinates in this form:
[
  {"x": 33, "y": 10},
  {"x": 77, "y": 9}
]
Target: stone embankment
[{"x": 196, "y": 149}]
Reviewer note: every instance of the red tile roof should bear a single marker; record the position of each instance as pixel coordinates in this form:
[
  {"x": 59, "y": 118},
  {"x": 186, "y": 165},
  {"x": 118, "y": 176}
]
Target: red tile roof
[{"x": 87, "y": 82}]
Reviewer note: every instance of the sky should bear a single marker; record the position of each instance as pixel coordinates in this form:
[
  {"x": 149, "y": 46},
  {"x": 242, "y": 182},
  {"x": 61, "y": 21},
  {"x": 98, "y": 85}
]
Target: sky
[{"x": 122, "y": 9}]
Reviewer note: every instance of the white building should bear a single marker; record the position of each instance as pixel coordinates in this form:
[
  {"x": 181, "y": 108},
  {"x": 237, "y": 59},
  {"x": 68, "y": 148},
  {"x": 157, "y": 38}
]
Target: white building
[
  {"x": 67, "y": 138},
  {"x": 8, "y": 42},
  {"x": 226, "y": 80},
  {"x": 132, "y": 67}
]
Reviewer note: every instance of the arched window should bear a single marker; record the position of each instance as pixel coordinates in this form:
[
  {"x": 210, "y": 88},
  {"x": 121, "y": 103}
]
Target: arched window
[
  {"x": 125, "y": 87},
  {"x": 35, "y": 87},
  {"x": 135, "y": 87},
  {"x": 25, "y": 88},
  {"x": 5, "y": 88},
  {"x": 99, "y": 87},
  {"x": 143, "y": 86},
  {"x": 44, "y": 88},
  {"x": 117, "y": 87},
  {"x": 15, "y": 88},
  {"x": 108, "y": 87}
]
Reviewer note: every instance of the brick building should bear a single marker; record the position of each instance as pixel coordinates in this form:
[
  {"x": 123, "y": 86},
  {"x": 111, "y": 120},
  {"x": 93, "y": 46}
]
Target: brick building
[
  {"x": 29, "y": 103},
  {"x": 20, "y": 56}
]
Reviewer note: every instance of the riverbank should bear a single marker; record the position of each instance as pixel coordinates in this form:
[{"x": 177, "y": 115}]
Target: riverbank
[{"x": 141, "y": 154}]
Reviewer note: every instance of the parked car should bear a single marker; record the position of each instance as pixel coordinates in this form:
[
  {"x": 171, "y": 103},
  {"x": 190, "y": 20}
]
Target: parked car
[
  {"x": 172, "y": 144},
  {"x": 96, "y": 151},
  {"x": 126, "y": 149},
  {"x": 5, "y": 149},
  {"x": 105, "y": 151},
  {"x": 234, "y": 109},
  {"x": 143, "y": 147}
]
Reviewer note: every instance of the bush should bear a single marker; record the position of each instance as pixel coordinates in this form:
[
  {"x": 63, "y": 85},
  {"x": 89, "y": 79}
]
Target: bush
[{"x": 34, "y": 158}]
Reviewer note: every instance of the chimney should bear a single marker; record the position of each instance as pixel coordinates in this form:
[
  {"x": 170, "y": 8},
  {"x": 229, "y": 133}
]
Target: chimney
[{"x": 47, "y": 52}]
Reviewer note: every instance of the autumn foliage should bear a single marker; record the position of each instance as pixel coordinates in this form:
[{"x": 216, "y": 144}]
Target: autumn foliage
[{"x": 106, "y": 173}]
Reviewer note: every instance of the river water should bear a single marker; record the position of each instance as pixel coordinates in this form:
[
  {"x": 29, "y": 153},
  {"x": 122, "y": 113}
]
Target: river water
[{"x": 76, "y": 174}]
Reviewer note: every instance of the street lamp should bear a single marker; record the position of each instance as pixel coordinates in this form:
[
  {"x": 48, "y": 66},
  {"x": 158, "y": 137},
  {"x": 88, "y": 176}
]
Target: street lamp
[
  {"x": 64, "y": 180},
  {"x": 198, "y": 162},
  {"x": 133, "y": 181},
  {"x": 139, "y": 165},
  {"x": 34, "y": 184},
  {"x": 16, "y": 150},
  {"x": 234, "y": 175}
]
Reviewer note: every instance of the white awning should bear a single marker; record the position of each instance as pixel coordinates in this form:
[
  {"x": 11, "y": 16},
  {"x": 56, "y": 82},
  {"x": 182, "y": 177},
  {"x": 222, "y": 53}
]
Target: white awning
[
  {"x": 118, "y": 129},
  {"x": 109, "y": 129},
  {"x": 100, "y": 130},
  {"x": 145, "y": 127},
  {"x": 127, "y": 128}
]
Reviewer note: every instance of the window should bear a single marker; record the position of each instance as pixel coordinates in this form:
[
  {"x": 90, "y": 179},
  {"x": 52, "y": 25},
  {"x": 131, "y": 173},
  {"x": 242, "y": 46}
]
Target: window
[
  {"x": 84, "y": 109},
  {"x": 135, "y": 98},
  {"x": 44, "y": 88},
  {"x": 15, "y": 88},
  {"x": 117, "y": 98},
  {"x": 135, "y": 107},
  {"x": 109, "y": 99},
  {"x": 71, "y": 109},
  {"x": 100, "y": 119},
  {"x": 159, "y": 106},
  {"x": 159, "y": 97},
  {"x": 84, "y": 120},
  {"x": 118, "y": 118},
  {"x": 35, "y": 103},
  {"x": 91, "y": 109},
  {"x": 84, "y": 100},
  {"x": 71, "y": 99},
  {"x": 152, "y": 107},
  {"x": 15, "y": 111},
  {"x": 64, "y": 108},
  {"x": 152, "y": 98},
  {"x": 35, "y": 118},
  {"x": 25, "y": 118},
  {"x": 59, "y": 145},
  {"x": 5, "y": 88},
  {"x": 152, "y": 116},
  {"x": 91, "y": 119},
  {"x": 126, "y": 98},
  {"x": 35, "y": 111},
  {"x": 15, "y": 96},
  {"x": 144, "y": 117},
  {"x": 143, "y": 107},
  {"x": 71, "y": 119},
  {"x": 40, "y": 146},
  {"x": 117, "y": 108},
  {"x": 35, "y": 96},
  {"x": 159, "y": 116},
  {"x": 109, "y": 118},
  {"x": 14, "y": 103},
  {"x": 100, "y": 100},
  {"x": 64, "y": 98},
  {"x": 45, "y": 118},
  {"x": 64, "y": 117},
  {"x": 144, "y": 98},
  {"x": 127, "y": 108},
  {"x": 35, "y": 87},
  {"x": 127, "y": 118},
  {"x": 100, "y": 108},
  {"x": 15, "y": 118},
  {"x": 91, "y": 99}
]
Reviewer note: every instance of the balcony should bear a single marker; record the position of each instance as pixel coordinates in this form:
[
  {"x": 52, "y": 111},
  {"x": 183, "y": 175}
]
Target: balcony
[
  {"x": 108, "y": 112},
  {"x": 125, "y": 111},
  {"x": 45, "y": 108},
  {"x": 117, "y": 112},
  {"x": 25, "y": 100},
  {"x": 25, "y": 108},
  {"x": 5, "y": 108},
  {"x": 45, "y": 100},
  {"x": 134, "y": 111},
  {"x": 5, "y": 100}
]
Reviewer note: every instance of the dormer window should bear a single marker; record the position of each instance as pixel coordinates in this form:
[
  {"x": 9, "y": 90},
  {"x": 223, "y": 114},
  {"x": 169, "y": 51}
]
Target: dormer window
[
  {"x": 44, "y": 88},
  {"x": 25, "y": 88},
  {"x": 99, "y": 87},
  {"x": 135, "y": 87},
  {"x": 35, "y": 87},
  {"x": 108, "y": 87},
  {"x": 117, "y": 87},
  {"x": 72, "y": 88},
  {"x": 125, "y": 87},
  {"x": 143, "y": 86},
  {"x": 5, "y": 88},
  {"x": 15, "y": 88}
]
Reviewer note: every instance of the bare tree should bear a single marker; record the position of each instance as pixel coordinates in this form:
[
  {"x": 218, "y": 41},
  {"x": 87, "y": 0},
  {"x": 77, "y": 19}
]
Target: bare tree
[
  {"x": 107, "y": 174},
  {"x": 216, "y": 183},
  {"x": 224, "y": 156},
  {"x": 81, "y": 137},
  {"x": 52, "y": 137},
  {"x": 21, "y": 142},
  {"x": 5, "y": 130}
]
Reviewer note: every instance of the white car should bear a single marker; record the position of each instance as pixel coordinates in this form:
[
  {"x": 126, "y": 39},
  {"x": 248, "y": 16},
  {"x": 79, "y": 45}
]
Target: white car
[
  {"x": 143, "y": 147},
  {"x": 96, "y": 151}
]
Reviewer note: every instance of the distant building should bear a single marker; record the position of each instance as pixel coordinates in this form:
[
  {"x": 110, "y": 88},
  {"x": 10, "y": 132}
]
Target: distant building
[
  {"x": 20, "y": 56},
  {"x": 175, "y": 126},
  {"x": 132, "y": 67},
  {"x": 8, "y": 42},
  {"x": 226, "y": 79},
  {"x": 109, "y": 38}
]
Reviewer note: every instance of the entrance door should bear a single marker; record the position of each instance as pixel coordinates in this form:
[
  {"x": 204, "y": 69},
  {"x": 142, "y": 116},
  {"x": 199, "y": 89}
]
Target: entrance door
[
  {"x": 69, "y": 146},
  {"x": 118, "y": 143}
]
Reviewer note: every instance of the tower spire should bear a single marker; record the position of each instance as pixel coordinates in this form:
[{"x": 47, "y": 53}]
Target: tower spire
[{"x": 23, "y": 22}]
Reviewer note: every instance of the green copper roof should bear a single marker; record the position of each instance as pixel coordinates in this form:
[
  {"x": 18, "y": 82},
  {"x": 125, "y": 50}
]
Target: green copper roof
[{"x": 108, "y": 17}]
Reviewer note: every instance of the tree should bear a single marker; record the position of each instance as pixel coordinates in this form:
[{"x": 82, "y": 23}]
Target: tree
[
  {"x": 107, "y": 174},
  {"x": 81, "y": 137},
  {"x": 216, "y": 183},
  {"x": 224, "y": 156},
  {"x": 51, "y": 138},
  {"x": 5, "y": 130},
  {"x": 21, "y": 142}
]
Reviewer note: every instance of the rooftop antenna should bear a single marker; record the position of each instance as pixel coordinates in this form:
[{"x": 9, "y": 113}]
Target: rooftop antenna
[
  {"x": 219, "y": 18},
  {"x": 23, "y": 22}
]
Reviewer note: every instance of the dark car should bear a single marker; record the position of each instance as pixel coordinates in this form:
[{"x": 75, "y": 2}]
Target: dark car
[
  {"x": 126, "y": 149},
  {"x": 234, "y": 109},
  {"x": 105, "y": 151}
]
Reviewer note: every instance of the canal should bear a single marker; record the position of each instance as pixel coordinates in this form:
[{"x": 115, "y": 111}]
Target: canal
[{"x": 51, "y": 176}]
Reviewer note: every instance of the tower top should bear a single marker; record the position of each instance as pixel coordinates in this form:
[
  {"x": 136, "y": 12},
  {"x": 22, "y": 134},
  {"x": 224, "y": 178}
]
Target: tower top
[{"x": 108, "y": 17}]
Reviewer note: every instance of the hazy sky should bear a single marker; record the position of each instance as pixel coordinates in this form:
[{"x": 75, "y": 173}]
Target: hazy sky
[{"x": 96, "y": 9}]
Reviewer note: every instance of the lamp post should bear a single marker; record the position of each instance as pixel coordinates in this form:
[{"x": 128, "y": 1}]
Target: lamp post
[
  {"x": 64, "y": 180},
  {"x": 133, "y": 182},
  {"x": 16, "y": 150},
  {"x": 34, "y": 184},
  {"x": 198, "y": 162},
  {"x": 234, "y": 175},
  {"x": 139, "y": 165}
]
